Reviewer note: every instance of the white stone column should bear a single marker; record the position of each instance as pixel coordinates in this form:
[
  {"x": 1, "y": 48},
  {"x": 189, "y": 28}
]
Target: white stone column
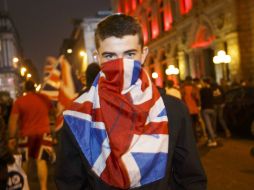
[
  {"x": 234, "y": 52},
  {"x": 182, "y": 65}
]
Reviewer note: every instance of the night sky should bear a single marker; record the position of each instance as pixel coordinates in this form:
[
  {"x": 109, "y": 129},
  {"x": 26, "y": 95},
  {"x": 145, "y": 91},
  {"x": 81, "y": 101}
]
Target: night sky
[{"x": 42, "y": 25}]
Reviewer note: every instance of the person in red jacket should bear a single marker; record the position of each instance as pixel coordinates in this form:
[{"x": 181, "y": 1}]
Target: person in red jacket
[
  {"x": 122, "y": 133},
  {"x": 29, "y": 117}
]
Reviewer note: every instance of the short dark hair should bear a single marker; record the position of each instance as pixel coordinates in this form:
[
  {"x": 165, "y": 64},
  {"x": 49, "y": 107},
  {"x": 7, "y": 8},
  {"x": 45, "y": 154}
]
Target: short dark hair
[
  {"x": 91, "y": 72},
  {"x": 118, "y": 25},
  {"x": 29, "y": 85},
  {"x": 207, "y": 80},
  {"x": 170, "y": 83}
]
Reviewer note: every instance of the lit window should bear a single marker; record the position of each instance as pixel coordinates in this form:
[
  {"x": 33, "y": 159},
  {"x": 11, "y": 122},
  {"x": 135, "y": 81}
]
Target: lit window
[
  {"x": 162, "y": 16},
  {"x": 150, "y": 25},
  {"x": 185, "y": 6}
]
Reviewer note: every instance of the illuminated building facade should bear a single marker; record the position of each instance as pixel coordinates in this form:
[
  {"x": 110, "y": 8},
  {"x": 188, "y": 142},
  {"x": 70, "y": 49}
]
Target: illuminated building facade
[
  {"x": 10, "y": 56},
  {"x": 189, "y": 33},
  {"x": 80, "y": 47}
]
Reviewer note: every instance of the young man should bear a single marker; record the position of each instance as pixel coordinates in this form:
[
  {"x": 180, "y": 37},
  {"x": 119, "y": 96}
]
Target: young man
[
  {"x": 122, "y": 134},
  {"x": 29, "y": 117}
]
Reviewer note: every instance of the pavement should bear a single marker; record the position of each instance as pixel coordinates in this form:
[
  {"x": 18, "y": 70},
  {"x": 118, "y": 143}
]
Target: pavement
[{"x": 228, "y": 166}]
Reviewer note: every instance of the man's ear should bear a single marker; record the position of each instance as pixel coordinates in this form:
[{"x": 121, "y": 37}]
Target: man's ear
[{"x": 145, "y": 51}]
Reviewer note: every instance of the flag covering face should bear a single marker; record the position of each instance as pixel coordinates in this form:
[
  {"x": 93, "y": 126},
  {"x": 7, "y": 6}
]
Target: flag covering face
[{"x": 121, "y": 126}]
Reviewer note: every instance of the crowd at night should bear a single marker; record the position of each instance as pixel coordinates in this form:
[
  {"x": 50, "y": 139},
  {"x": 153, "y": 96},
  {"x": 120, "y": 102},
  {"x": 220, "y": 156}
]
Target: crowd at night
[{"x": 139, "y": 94}]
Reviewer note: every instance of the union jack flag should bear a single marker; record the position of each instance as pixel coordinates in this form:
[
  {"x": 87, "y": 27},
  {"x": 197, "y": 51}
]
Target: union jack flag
[
  {"x": 61, "y": 85},
  {"x": 121, "y": 126}
]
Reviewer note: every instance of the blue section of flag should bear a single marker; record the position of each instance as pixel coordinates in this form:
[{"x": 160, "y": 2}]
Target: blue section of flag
[
  {"x": 163, "y": 113},
  {"x": 90, "y": 139},
  {"x": 151, "y": 165},
  {"x": 136, "y": 72},
  {"x": 96, "y": 80}
]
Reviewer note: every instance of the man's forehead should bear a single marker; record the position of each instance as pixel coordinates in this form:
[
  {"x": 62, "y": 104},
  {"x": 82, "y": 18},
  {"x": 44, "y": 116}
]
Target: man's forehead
[
  {"x": 122, "y": 38},
  {"x": 130, "y": 41}
]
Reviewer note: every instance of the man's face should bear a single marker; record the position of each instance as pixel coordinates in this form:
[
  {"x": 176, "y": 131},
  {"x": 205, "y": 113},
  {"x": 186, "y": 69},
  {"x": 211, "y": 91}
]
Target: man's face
[{"x": 127, "y": 47}]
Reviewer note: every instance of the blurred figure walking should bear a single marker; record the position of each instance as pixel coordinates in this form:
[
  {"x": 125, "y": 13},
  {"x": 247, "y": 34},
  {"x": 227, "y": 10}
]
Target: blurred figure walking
[
  {"x": 172, "y": 90},
  {"x": 5, "y": 155},
  {"x": 190, "y": 94},
  {"x": 5, "y": 106},
  {"x": 219, "y": 104},
  {"x": 29, "y": 117},
  {"x": 208, "y": 112}
]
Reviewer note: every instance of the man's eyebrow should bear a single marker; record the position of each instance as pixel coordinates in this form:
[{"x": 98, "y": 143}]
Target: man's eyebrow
[
  {"x": 131, "y": 50},
  {"x": 108, "y": 53}
]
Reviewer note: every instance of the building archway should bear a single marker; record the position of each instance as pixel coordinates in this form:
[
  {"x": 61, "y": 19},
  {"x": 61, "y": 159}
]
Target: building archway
[{"x": 202, "y": 52}]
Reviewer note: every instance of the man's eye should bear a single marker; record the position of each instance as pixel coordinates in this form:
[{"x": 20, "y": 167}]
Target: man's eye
[
  {"x": 130, "y": 55},
  {"x": 109, "y": 56}
]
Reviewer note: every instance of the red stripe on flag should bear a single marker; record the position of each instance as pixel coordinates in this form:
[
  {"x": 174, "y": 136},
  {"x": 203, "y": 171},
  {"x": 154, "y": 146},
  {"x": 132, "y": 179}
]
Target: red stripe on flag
[{"x": 118, "y": 169}]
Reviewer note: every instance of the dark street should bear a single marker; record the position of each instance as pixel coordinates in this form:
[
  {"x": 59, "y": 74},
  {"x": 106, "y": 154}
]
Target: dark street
[{"x": 228, "y": 167}]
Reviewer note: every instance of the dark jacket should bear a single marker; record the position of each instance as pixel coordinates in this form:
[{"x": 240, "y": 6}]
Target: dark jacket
[
  {"x": 5, "y": 156},
  {"x": 184, "y": 168},
  {"x": 206, "y": 97}
]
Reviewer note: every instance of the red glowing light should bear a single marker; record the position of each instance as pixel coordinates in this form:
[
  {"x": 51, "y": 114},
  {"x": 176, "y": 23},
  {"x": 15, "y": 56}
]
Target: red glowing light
[
  {"x": 127, "y": 6},
  {"x": 145, "y": 33},
  {"x": 159, "y": 81},
  {"x": 133, "y": 4},
  {"x": 155, "y": 28},
  {"x": 168, "y": 18},
  {"x": 119, "y": 8},
  {"x": 203, "y": 37},
  {"x": 185, "y": 6}
]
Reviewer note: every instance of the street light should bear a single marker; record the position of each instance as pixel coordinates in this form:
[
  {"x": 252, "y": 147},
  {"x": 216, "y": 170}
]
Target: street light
[
  {"x": 28, "y": 75},
  {"x": 82, "y": 53},
  {"x": 38, "y": 87},
  {"x": 222, "y": 58},
  {"x": 15, "y": 60},
  {"x": 69, "y": 51},
  {"x": 172, "y": 70},
  {"x": 23, "y": 71},
  {"x": 155, "y": 75}
]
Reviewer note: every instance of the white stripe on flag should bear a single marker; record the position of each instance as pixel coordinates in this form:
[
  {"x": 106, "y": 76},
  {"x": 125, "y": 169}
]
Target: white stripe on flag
[
  {"x": 78, "y": 115},
  {"x": 149, "y": 143},
  {"x": 128, "y": 65},
  {"x": 89, "y": 96},
  {"x": 100, "y": 163},
  {"x": 87, "y": 117},
  {"x": 132, "y": 169},
  {"x": 155, "y": 110},
  {"x": 139, "y": 96}
]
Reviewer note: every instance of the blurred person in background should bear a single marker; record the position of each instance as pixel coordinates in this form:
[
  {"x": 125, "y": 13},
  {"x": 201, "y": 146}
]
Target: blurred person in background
[
  {"x": 202, "y": 129},
  {"x": 6, "y": 105},
  {"x": 29, "y": 121},
  {"x": 219, "y": 104},
  {"x": 224, "y": 85},
  {"x": 91, "y": 72},
  {"x": 5, "y": 155},
  {"x": 208, "y": 112},
  {"x": 172, "y": 90},
  {"x": 190, "y": 95}
]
